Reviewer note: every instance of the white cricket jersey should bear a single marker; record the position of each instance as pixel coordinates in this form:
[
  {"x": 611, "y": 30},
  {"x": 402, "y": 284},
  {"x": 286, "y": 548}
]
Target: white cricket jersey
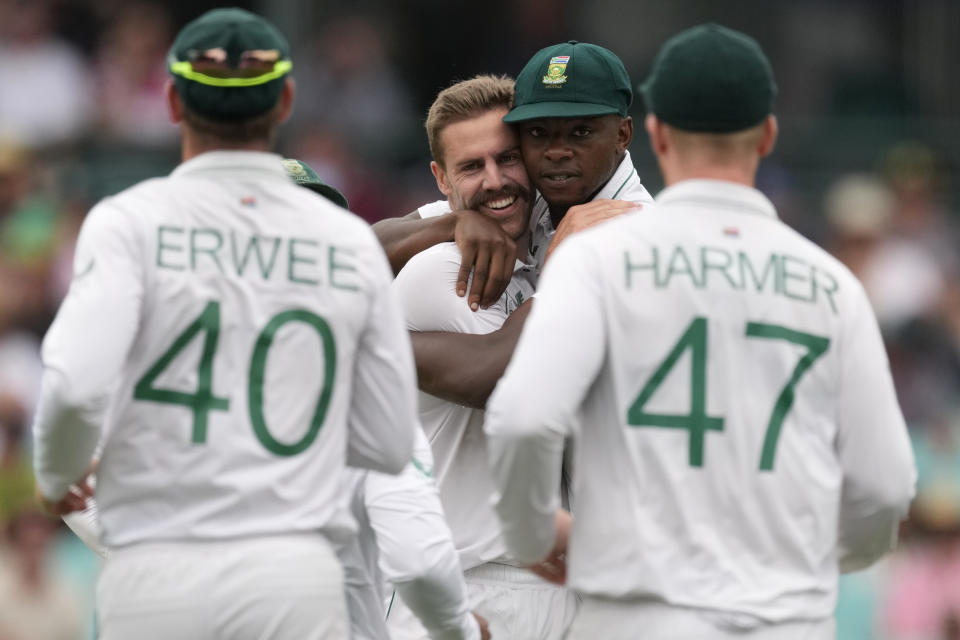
[
  {"x": 738, "y": 435},
  {"x": 403, "y": 540},
  {"x": 237, "y": 337},
  {"x": 426, "y": 288}
]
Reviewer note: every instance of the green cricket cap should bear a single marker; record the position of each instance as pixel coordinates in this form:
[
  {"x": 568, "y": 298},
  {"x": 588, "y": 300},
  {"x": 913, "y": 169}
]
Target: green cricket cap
[
  {"x": 571, "y": 80},
  {"x": 301, "y": 173},
  {"x": 710, "y": 79},
  {"x": 229, "y": 64}
]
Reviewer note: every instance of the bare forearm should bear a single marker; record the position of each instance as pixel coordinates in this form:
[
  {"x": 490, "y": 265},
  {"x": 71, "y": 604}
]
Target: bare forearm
[
  {"x": 464, "y": 368},
  {"x": 403, "y": 238}
]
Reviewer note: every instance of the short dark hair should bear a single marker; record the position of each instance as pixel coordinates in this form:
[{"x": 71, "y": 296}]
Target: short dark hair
[{"x": 262, "y": 127}]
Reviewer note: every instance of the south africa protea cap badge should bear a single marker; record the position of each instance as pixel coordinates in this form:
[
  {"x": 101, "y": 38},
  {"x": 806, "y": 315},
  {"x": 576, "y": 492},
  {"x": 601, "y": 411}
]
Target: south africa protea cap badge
[{"x": 556, "y": 71}]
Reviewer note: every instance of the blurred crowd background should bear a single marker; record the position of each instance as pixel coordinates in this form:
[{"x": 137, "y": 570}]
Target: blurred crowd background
[{"x": 867, "y": 166}]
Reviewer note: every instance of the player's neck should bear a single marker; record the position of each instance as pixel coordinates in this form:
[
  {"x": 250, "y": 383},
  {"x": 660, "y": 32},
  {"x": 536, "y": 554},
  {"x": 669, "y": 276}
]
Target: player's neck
[
  {"x": 195, "y": 144},
  {"x": 556, "y": 213},
  {"x": 741, "y": 173}
]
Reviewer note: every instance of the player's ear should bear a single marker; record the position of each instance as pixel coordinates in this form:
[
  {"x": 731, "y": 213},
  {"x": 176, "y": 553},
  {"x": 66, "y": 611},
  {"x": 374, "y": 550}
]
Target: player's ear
[
  {"x": 769, "y": 139},
  {"x": 174, "y": 104},
  {"x": 655, "y": 130},
  {"x": 624, "y": 134},
  {"x": 286, "y": 99},
  {"x": 440, "y": 175}
]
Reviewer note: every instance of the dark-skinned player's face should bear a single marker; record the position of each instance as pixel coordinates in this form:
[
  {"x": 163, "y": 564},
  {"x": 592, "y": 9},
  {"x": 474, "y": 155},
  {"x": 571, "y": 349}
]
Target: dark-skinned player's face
[{"x": 570, "y": 159}]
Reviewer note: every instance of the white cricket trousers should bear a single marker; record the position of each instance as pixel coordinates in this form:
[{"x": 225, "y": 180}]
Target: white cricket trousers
[
  {"x": 637, "y": 619},
  {"x": 281, "y": 587},
  {"x": 517, "y": 604}
]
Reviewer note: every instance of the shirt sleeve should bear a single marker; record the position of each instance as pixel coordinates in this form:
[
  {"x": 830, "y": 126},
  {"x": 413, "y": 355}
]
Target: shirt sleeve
[
  {"x": 416, "y": 547},
  {"x": 879, "y": 475},
  {"x": 86, "y": 347},
  {"x": 434, "y": 209},
  {"x": 383, "y": 410},
  {"x": 426, "y": 287},
  {"x": 533, "y": 406}
]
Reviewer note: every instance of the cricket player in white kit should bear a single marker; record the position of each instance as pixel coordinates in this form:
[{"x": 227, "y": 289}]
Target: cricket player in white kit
[
  {"x": 477, "y": 165},
  {"x": 402, "y": 535},
  {"x": 738, "y": 437},
  {"x": 236, "y": 339}
]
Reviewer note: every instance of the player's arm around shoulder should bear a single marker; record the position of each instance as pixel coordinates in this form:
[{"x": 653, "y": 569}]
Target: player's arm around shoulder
[
  {"x": 383, "y": 412},
  {"x": 879, "y": 473},
  {"x": 405, "y": 236},
  {"x": 460, "y": 354},
  {"x": 487, "y": 251},
  {"x": 426, "y": 288},
  {"x": 430, "y": 303}
]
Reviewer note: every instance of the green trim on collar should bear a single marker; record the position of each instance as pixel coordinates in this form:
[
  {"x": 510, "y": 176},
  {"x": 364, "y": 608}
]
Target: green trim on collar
[{"x": 620, "y": 188}]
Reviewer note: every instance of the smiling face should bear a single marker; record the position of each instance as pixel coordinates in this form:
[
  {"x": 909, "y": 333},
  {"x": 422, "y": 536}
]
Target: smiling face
[
  {"x": 482, "y": 170},
  {"x": 570, "y": 159}
]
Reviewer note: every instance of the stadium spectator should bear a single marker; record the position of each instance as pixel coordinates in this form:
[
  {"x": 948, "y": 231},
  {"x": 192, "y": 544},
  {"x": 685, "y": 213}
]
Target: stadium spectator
[
  {"x": 46, "y": 97},
  {"x": 131, "y": 73}
]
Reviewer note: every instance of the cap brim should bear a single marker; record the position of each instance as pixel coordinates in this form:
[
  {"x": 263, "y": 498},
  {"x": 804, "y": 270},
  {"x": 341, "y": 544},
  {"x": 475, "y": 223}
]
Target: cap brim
[
  {"x": 330, "y": 193},
  {"x": 558, "y": 110}
]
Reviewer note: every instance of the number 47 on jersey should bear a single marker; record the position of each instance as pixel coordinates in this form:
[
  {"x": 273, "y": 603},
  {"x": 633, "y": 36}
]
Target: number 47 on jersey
[{"x": 697, "y": 422}]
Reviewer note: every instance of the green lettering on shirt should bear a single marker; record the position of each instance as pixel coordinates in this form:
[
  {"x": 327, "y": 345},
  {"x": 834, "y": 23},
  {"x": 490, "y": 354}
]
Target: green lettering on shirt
[
  {"x": 829, "y": 287},
  {"x": 294, "y": 260},
  {"x": 336, "y": 266},
  {"x": 211, "y": 248},
  {"x": 679, "y": 265},
  {"x": 265, "y": 264},
  {"x": 771, "y": 268},
  {"x": 631, "y": 266},
  {"x": 717, "y": 259},
  {"x": 170, "y": 248},
  {"x": 717, "y": 268},
  {"x": 806, "y": 288}
]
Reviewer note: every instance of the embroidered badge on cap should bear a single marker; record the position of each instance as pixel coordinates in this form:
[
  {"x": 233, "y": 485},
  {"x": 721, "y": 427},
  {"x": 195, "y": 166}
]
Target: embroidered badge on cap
[
  {"x": 556, "y": 71},
  {"x": 294, "y": 168}
]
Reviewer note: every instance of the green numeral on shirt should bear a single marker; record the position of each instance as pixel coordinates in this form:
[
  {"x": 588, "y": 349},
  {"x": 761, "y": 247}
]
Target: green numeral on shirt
[
  {"x": 697, "y": 421},
  {"x": 202, "y": 401},
  {"x": 816, "y": 347},
  {"x": 258, "y": 364}
]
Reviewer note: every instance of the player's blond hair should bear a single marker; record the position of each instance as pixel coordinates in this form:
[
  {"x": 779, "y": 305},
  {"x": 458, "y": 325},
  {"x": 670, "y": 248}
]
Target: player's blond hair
[{"x": 465, "y": 100}]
